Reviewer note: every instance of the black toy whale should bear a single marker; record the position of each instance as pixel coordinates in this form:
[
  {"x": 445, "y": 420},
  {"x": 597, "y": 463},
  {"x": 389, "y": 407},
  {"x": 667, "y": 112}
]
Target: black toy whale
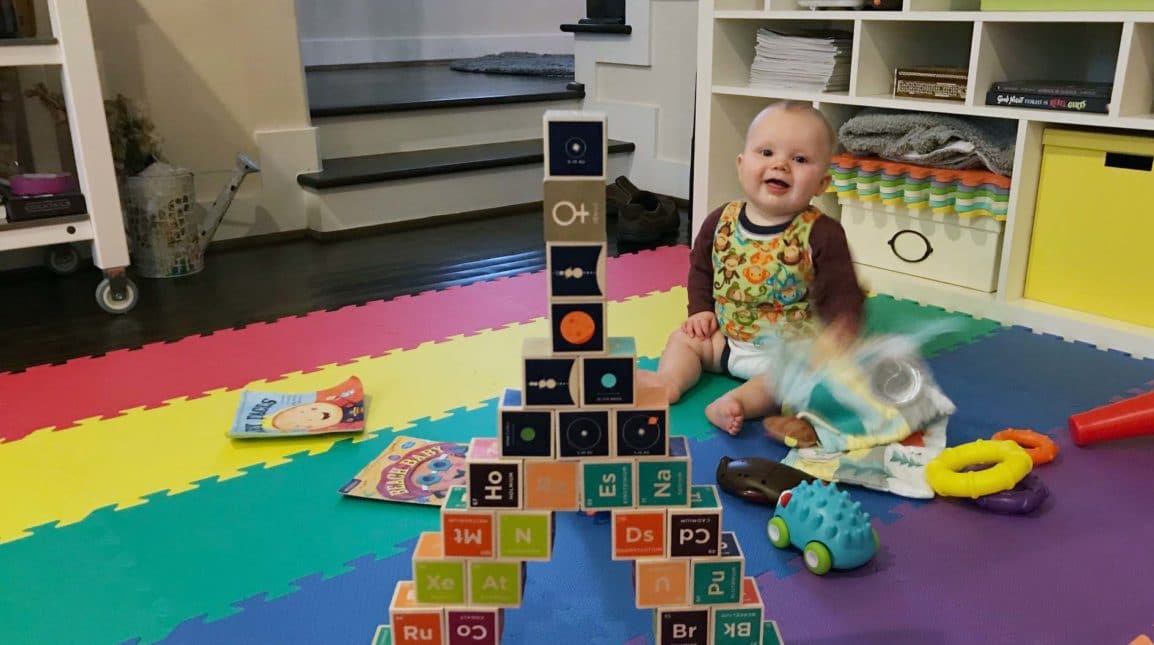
[{"x": 758, "y": 480}]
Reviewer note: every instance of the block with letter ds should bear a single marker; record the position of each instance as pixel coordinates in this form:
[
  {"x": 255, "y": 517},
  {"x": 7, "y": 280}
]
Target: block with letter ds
[
  {"x": 548, "y": 379},
  {"x": 639, "y": 533}
]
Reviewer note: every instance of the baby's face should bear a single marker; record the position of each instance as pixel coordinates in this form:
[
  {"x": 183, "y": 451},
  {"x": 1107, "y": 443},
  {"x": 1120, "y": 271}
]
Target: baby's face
[
  {"x": 308, "y": 417},
  {"x": 785, "y": 163}
]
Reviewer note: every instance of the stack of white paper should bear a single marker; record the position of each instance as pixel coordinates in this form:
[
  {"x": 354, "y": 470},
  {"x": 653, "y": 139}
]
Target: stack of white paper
[{"x": 813, "y": 60}]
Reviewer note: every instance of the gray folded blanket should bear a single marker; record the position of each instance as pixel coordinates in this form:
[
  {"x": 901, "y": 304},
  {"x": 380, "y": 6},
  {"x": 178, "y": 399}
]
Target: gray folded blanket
[{"x": 936, "y": 140}]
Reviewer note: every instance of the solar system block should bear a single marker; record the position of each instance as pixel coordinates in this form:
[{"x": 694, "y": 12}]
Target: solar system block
[
  {"x": 575, "y": 270},
  {"x": 574, "y": 210},
  {"x": 383, "y": 636},
  {"x": 525, "y": 535},
  {"x": 695, "y": 532},
  {"x": 659, "y": 582},
  {"x": 467, "y": 533},
  {"x": 642, "y": 430},
  {"x": 552, "y": 485},
  {"x": 639, "y": 534},
  {"x": 741, "y": 623},
  {"x": 584, "y": 433},
  {"x": 576, "y": 144},
  {"x": 663, "y": 482},
  {"x": 681, "y": 626},
  {"x": 496, "y": 583},
  {"x": 494, "y": 483},
  {"x": 437, "y": 580},
  {"x": 607, "y": 485},
  {"x": 717, "y": 581},
  {"x": 770, "y": 634},
  {"x": 549, "y": 380},
  {"x": 578, "y": 327},
  {"x": 474, "y": 625},
  {"x": 610, "y": 379},
  {"x": 412, "y": 622},
  {"x": 525, "y": 433}
]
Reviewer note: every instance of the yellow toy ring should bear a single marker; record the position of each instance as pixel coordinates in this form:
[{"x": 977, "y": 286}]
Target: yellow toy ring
[{"x": 1011, "y": 464}]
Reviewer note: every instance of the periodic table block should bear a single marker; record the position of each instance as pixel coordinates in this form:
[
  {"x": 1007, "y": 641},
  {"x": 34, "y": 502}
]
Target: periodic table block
[
  {"x": 610, "y": 379},
  {"x": 575, "y": 269},
  {"x": 467, "y": 532},
  {"x": 584, "y": 433},
  {"x": 659, "y": 582},
  {"x": 643, "y": 429},
  {"x": 639, "y": 534},
  {"x": 682, "y": 626},
  {"x": 525, "y": 433},
  {"x": 474, "y": 625},
  {"x": 494, "y": 483},
  {"x": 607, "y": 485},
  {"x": 437, "y": 580},
  {"x": 552, "y": 485},
  {"x": 496, "y": 583},
  {"x": 718, "y": 580},
  {"x": 696, "y": 531},
  {"x": 663, "y": 482},
  {"x": 383, "y": 635},
  {"x": 770, "y": 634},
  {"x": 412, "y": 622},
  {"x": 578, "y": 326},
  {"x": 484, "y": 448},
  {"x": 740, "y": 623},
  {"x": 548, "y": 379},
  {"x": 525, "y": 535}
]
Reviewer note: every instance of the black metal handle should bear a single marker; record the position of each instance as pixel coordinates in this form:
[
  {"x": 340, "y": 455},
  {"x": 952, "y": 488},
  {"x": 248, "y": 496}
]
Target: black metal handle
[
  {"x": 894, "y": 247},
  {"x": 1129, "y": 162}
]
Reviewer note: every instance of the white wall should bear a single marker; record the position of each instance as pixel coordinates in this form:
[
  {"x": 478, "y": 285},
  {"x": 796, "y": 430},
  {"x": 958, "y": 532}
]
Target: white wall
[{"x": 363, "y": 31}]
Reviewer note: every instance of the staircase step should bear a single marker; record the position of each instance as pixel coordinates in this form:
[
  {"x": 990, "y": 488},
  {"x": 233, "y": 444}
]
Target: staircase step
[{"x": 351, "y": 171}]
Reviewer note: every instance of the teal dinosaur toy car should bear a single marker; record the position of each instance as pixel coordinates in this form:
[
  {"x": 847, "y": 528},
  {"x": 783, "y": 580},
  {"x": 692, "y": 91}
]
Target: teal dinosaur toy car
[{"x": 830, "y": 529}]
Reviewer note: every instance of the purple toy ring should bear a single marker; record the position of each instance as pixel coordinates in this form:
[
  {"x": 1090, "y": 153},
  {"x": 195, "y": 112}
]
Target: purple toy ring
[{"x": 1023, "y": 498}]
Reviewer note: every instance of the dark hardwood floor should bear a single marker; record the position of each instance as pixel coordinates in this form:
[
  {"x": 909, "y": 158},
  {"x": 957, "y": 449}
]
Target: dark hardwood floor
[{"x": 50, "y": 319}]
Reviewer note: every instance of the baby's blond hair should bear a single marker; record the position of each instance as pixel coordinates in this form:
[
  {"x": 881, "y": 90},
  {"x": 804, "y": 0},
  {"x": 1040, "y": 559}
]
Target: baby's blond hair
[{"x": 796, "y": 106}]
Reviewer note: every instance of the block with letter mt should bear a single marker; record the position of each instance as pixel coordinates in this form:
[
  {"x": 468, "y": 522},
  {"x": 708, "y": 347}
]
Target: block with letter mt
[
  {"x": 474, "y": 625},
  {"x": 610, "y": 379},
  {"x": 740, "y": 623},
  {"x": 642, "y": 430},
  {"x": 658, "y": 582},
  {"x": 466, "y": 532},
  {"x": 525, "y": 535},
  {"x": 549, "y": 379},
  {"x": 383, "y": 635},
  {"x": 639, "y": 534},
  {"x": 607, "y": 485},
  {"x": 696, "y": 531},
  {"x": 578, "y": 326},
  {"x": 526, "y": 433},
  {"x": 575, "y": 210},
  {"x": 496, "y": 583},
  {"x": 665, "y": 481},
  {"x": 584, "y": 433},
  {"x": 494, "y": 483},
  {"x": 437, "y": 580},
  {"x": 552, "y": 485},
  {"x": 681, "y": 626},
  {"x": 575, "y": 270},
  {"x": 414, "y": 623},
  {"x": 718, "y": 580},
  {"x": 576, "y": 144}
]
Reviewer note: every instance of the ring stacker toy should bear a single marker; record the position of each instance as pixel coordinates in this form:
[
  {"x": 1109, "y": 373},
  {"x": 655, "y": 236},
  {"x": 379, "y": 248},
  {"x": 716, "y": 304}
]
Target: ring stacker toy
[
  {"x": 1041, "y": 448},
  {"x": 1011, "y": 464},
  {"x": 1023, "y": 498}
]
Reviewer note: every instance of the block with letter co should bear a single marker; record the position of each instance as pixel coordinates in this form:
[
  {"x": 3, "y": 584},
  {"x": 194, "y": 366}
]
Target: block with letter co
[
  {"x": 695, "y": 532},
  {"x": 474, "y": 625}
]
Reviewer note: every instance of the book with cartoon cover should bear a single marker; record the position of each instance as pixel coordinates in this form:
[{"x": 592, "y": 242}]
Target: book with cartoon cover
[
  {"x": 411, "y": 471},
  {"x": 263, "y": 415}
]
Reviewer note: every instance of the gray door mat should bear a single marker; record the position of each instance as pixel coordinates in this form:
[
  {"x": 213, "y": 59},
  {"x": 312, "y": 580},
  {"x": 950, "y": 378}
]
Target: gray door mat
[{"x": 518, "y": 63}]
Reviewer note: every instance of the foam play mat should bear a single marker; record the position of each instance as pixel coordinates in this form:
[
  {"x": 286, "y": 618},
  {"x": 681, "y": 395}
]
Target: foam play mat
[{"x": 129, "y": 516}]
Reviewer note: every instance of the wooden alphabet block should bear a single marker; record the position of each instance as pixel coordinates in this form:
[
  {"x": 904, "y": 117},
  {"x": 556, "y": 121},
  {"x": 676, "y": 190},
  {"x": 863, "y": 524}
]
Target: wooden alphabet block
[
  {"x": 437, "y": 580},
  {"x": 718, "y": 580},
  {"x": 575, "y": 270},
  {"x": 484, "y": 448},
  {"x": 576, "y": 144},
  {"x": 578, "y": 327},
  {"x": 496, "y": 583},
  {"x": 549, "y": 379},
  {"x": 574, "y": 210},
  {"x": 584, "y": 433},
  {"x": 525, "y": 433},
  {"x": 642, "y": 430},
  {"x": 663, "y": 482},
  {"x": 412, "y": 622},
  {"x": 660, "y": 583},
  {"x": 607, "y": 485},
  {"x": 494, "y": 483},
  {"x": 383, "y": 635},
  {"x": 639, "y": 534},
  {"x": 741, "y": 623},
  {"x": 610, "y": 379},
  {"x": 474, "y": 625},
  {"x": 770, "y": 634},
  {"x": 695, "y": 532},
  {"x": 525, "y": 535},
  {"x": 466, "y": 532},
  {"x": 552, "y": 485},
  {"x": 682, "y": 626}
]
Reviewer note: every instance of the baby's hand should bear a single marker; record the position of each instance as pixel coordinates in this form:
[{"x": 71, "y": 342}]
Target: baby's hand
[{"x": 700, "y": 325}]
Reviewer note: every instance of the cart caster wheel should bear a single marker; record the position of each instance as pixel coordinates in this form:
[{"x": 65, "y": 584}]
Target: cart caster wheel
[
  {"x": 63, "y": 259},
  {"x": 110, "y": 302}
]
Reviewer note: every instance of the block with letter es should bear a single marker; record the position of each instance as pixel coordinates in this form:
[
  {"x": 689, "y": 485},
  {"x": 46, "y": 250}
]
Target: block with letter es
[
  {"x": 438, "y": 581},
  {"x": 607, "y": 485}
]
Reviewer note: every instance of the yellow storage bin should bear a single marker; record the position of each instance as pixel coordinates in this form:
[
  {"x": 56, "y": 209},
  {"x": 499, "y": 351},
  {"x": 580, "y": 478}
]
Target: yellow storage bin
[{"x": 1092, "y": 248}]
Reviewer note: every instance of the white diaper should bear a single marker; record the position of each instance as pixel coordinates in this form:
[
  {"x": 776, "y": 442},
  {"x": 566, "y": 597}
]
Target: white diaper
[{"x": 744, "y": 360}]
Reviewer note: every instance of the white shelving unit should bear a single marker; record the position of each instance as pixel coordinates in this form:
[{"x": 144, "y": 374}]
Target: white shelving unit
[
  {"x": 993, "y": 46},
  {"x": 72, "y": 48}
]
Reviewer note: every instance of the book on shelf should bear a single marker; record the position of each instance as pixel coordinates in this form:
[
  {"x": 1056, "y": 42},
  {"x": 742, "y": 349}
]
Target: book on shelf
[
  {"x": 22, "y": 208},
  {"x": 931, "y": 83},
  {"x": 1085, "y": 89},
  {"x": 804, "y": 59},
  {"x": 1048, "y": 102}
]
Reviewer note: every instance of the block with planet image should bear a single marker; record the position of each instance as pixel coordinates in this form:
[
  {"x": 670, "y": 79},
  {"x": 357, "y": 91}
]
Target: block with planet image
[
  {"x": 525, "y": 433},
  {"x": 610, "y": 379},
  {"x": 549, "y": 379},
  {"x": 578, "y": 327},
  {"x": 641, "y": 430},
  {"x": 575, "y": 270},
  {"x": 584, "y": 433}
]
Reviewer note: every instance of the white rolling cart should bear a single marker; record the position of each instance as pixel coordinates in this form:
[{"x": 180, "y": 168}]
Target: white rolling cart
[{"x": 73, "y": 50}]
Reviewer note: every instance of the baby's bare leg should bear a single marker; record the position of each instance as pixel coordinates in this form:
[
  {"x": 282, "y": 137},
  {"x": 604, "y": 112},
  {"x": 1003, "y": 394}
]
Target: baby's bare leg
[
  {"x": 751, "y": 399},
  {"x": 682, "y": 361}
]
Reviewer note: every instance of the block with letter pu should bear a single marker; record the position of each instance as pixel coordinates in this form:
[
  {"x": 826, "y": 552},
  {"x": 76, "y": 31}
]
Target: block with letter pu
[
  {"x": 552, "y": 485},
  {"x": 575, "y": 270},
  {"x": 718, "y": 580},
  {"x": 414, "y": 623},
  {"x": 525, "y": 433},
  {"x": 548, "y": 379},
  {"x": 696, "y": 531},
  {"x": 607, "y": 485},
  {"x": 575, "y": 210},
  {"x": 740, "y": 623},
  {"x": 610, "y": 379},
  {"x": 682, "y": 626},
  {"x": 659, "y": 582},
  {"x": 493, "y": 483},
  {"x": 496, "y": 583},
  {"x": 525, "y": 535},
  {"x": 474, "y": 625},
  {"x": 578, "y": 326},
  {"x": 639, "y": 534},
  {"x": 437, "y": 580},
  {"x": 466, "y": 532}
]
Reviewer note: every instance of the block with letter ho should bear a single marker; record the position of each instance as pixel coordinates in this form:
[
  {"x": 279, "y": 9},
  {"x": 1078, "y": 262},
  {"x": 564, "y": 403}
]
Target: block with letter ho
[
  {"x": 525, "y": 535},
  {"x": 414, "y": 623},
  {"x": 575, "y": 210},
  {"x": 575, "y": 270},
  {"x": 681, "y": 626},
  {"x": 496, "y": 583},
  {"x": 610, "y": 379},
  {"x": 639, "y": 533},
  {"x": 494, "y": 483},
  {"x": 665, "y": 481},
  {"x": 576, "y": 144},
  {"x": 548, "y": 379},
  {"x": 660, "y": 582},
  {"x": 437, "y": 580},
  {"x": 695, "y": 532},
  {"x": 717, "y": 580},
  {"x": 552, "y": 485},
  {"x": 474, "y": 625},
  {"x": 467, "y": 532},
  {"x": 578, "y": 326},
  {"x": 740, "y": 623},
  {"x": 525, "y": 433},
  {"x": 607, "y": 485}
]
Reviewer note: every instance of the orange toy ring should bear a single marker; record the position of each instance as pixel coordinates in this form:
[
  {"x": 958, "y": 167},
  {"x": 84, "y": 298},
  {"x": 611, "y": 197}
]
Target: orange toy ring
[{"x": 1041, "y": 448}]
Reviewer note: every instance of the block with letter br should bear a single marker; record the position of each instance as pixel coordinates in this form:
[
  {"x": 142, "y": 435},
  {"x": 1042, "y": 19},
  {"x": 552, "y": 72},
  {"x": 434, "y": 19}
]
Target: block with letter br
[
  {"x": 659, "y": 582},
  {"x": 681, "y": 626},
  {"x": 575, "y": 210},
  {"x": 607, "y": 485},
  {"x": 496, "y": 583},
  {"x": 665, "y": 481},
  {"x": 552, "y": 485},
  {"x": 414, "y": 623},
  {"x": 583, "y": 433},
  {"x": 642, "y": 430},
  {"x": 525, "y": 535},
  {"x": 718, "y": 580},
  {"x": 575, "y": 270},
  {"x": 576, "y": 144},
  {"x": 474, "y": 625},
  {"x": 494, "y": 483},
  {"x": 740, "y": 623},
  {"x": 610, "y": 379},
  {"x": 437, "y": 580},
  {"x": 578, "y": 326},
  {"x": 548, "y": 379},
  {"x": 695, "y": 532},
  {"x": 525, "y": 433},
  {"x": 467, "y": 532},
  {"x": 639, "y": 534}
]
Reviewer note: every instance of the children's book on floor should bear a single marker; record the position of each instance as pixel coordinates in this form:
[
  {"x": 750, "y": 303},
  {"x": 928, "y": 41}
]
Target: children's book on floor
[
  {"x": 263, "y": 415},
  {"x": 412, "y": 471}
]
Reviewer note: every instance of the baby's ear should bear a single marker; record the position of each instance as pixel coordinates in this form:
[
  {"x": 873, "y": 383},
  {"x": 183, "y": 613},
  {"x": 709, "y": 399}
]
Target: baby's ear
[{"x": 823, "y": 185}]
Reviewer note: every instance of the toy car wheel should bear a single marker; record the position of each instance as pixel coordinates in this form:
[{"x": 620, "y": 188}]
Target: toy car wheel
[
  {"x": 778, "y": 532},
  {"x": 817, "y": 558}
]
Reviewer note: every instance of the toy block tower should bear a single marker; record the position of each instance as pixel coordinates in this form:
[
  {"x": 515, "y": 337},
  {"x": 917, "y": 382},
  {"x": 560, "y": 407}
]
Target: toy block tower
[{"x": 578, "y": 434}]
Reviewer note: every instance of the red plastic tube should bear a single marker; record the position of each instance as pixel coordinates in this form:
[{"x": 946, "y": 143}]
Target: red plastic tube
[{"x": 1132, "y": 417}]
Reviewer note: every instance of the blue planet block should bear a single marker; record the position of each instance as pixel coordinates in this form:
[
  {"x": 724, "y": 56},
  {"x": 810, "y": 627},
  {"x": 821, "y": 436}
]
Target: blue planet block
[{"x": 610, "y": 379}]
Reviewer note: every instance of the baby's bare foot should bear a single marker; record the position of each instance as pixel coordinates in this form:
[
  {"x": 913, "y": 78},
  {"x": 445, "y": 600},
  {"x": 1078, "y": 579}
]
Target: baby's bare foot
[
  {"x": 647, "y": 379},
  {"x": 726, "y": 413},
  {"x": 794, "y": 432}
]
